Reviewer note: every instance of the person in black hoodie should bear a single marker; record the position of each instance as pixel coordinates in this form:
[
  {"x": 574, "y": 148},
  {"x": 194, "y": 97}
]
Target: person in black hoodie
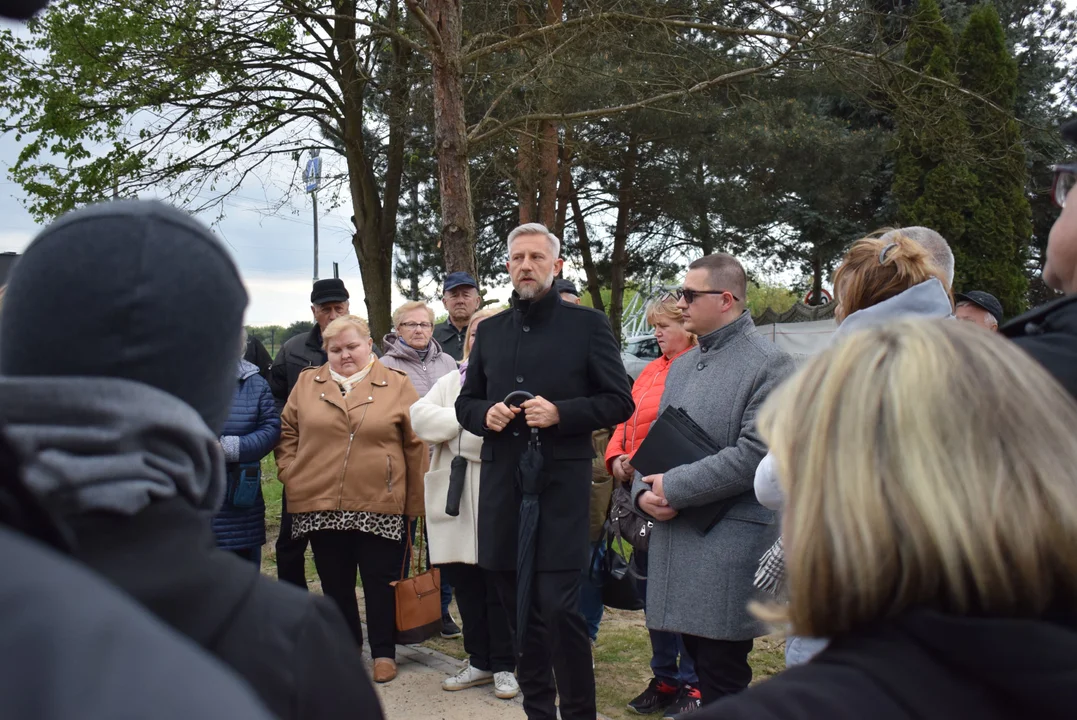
[
  {"x": 118, "y": 422},
  {"x": 1049, "y": 332},
  {"x": 929, "y": 531}
]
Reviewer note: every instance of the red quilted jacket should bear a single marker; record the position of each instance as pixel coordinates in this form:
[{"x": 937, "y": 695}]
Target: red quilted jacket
[{"x": 647, "y": 394}]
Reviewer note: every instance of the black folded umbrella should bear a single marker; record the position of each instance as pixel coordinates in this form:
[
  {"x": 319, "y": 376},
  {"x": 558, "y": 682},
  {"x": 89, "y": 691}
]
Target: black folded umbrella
[{"x": 528, "y": 479}]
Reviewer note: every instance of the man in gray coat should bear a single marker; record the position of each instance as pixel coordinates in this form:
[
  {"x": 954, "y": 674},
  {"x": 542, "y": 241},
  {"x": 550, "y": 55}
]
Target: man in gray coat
[{"x": 700, "y": 584}]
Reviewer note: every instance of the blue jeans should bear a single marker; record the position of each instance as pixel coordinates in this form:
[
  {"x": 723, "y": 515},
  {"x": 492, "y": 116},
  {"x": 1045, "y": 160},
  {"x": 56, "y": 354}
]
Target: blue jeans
[
  {"x": 666, "y": 647},
  {"x": 591, "y": 591}
]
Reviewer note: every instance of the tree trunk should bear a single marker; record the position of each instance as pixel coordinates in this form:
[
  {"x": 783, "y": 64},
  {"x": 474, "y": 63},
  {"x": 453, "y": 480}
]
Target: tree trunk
[
  {"x": 564, "y": 187},
  {"x": 706, "y": 236},
  {"x": 413, "y": 249},
  {"x": 619, "y": 258},
  {"x": 525, "y": 175},
  {"x": 450, "y": 137},
  {"x": 375, "y": 223},
  {"x": 816, "y": 277},
  {"x": 547, "y": 146},
  {"x": 547, "y": 173},
  {"x": 594, "y": 287}
]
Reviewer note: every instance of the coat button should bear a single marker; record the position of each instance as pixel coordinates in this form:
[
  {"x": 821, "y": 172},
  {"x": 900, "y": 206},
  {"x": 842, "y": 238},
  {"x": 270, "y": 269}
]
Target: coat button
[
  {"x": 323, "y": 394},
  {"x": 516, "y": 433},
  {"x": 317, "y": 377},
  {"x": 703, "y": 349},
  {"x": 527, "y": 328},
  {"x": 700, "y": 366},
  {"x": 519, "y": 378},
  {"x": 370, "y": 398}
]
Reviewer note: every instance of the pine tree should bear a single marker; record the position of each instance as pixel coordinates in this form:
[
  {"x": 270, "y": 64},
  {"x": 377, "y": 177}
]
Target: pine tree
[
  {"x": 992, "y": 253},
  {"x": 933, "y": 183}
]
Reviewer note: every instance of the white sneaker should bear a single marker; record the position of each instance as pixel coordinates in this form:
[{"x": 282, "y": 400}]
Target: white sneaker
[
  {"x": 467, "y": 678},
  {"x": 505, "y": 685}
]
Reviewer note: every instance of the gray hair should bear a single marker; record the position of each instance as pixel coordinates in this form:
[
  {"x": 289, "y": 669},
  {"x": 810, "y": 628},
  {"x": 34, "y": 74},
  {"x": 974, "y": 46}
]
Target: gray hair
[
  {"x": 929, "y": 240},
  {"x": 536, "y": 229},
  {"x": 992, "y": 320}
]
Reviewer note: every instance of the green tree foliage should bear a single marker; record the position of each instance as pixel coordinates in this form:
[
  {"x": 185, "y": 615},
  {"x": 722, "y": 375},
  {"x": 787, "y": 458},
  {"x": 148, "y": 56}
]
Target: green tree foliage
[
  {"x": 933, "y": 183},
  {"x": 991, "y": 254},
  {"x": 762, "y": 296}
]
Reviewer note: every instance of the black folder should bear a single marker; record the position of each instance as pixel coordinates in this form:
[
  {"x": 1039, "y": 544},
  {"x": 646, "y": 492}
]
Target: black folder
[{"x": 676, "y": 439}]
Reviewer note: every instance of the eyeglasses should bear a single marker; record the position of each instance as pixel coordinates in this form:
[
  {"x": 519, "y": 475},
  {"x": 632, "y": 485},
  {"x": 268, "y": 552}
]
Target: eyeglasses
[
  {"x": 1065, "y": 178},
  {"x": 690, "y": 295},
  {"x": 414, "y": 325}
]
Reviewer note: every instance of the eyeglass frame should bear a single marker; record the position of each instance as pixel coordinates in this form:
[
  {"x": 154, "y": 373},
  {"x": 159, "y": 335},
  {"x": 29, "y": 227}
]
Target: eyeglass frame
[
  {"x": 688, "y": 294},
  {"x": 414, "y": 325},
  {"x": 1059, "y": 171}
]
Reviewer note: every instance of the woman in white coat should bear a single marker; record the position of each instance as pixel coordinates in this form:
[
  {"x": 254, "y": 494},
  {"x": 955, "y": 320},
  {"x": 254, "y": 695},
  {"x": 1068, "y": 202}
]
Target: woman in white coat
[{"x": 454, "y": 539}]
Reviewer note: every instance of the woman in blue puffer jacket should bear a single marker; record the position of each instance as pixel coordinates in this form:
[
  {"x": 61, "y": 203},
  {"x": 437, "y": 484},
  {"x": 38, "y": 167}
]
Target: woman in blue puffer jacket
[{"x": 252, "y": 431}]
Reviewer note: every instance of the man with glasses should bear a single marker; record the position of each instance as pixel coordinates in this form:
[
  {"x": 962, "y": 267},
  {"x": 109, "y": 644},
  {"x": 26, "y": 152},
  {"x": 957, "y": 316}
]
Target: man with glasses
[
  {"x": 700, "y": 573},
  {"x": 461, "y": 299},
  {"x": 1049, "y": 333},
  {"x": 329, "y": 300}
]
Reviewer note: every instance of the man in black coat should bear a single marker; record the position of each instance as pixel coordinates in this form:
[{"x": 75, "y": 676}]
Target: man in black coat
[
  {"x": 1049, "y": 333},
  {"x": 567, "y": 357},
  {"x": 329, "y": 300}
]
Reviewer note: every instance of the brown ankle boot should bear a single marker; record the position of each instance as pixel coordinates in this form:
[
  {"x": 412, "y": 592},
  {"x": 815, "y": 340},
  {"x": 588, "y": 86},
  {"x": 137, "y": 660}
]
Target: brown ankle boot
[{"x": 384, "y": 670}]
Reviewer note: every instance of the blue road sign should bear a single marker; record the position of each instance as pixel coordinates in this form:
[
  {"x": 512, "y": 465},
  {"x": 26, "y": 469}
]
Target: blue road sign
[{"x": 312, "y": 175}]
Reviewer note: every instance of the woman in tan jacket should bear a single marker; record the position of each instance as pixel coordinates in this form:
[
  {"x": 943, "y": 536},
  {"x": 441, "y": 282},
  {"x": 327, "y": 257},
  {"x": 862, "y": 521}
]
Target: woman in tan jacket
[{"x": 353, "y": 469}]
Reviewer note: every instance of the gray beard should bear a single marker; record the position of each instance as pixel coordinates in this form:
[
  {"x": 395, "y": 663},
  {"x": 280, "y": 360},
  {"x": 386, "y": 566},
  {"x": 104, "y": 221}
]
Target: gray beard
[{"x": 532, "y": 294}]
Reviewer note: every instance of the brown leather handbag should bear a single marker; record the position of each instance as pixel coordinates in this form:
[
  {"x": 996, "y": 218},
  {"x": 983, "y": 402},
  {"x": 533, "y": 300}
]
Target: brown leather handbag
[{"x": 418, "y": 598}]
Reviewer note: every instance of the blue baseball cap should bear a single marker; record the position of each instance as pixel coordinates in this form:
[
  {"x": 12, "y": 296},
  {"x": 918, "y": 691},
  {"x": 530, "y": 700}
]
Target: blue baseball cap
[{"x": 458, "y": 279}]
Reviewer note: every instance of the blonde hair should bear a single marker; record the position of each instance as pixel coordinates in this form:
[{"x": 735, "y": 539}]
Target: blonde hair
[
  {"x": 877, "y": 269},
  {"x": 407, "y": 307},
  {"x": 667, "y": 307},
  {"x": 926, "y": 463},
  {"x": 480, "y": 315},
  {"x": 343, "y": 323}
]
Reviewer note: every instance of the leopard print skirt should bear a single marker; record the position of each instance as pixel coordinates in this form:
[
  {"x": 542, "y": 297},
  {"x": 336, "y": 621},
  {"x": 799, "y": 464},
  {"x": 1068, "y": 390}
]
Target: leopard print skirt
[{"x": 390, "y": 527}]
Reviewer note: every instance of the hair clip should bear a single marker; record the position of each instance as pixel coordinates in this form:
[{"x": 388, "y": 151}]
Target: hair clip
[{"x": 888, "y": 248}]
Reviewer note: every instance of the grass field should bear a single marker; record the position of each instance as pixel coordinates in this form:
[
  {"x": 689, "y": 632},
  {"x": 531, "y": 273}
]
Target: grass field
[{"x": 622, "y": 653}]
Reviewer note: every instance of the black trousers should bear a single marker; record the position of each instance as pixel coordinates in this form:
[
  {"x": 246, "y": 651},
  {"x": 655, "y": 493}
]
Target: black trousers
[
  {"x": 487, "y": 636},
  {"x": 291, "y": 565},
  {"x": 722, "y": 665},
  {"x": 337, "y": 554},
  {"x": 557, "y": 646}
]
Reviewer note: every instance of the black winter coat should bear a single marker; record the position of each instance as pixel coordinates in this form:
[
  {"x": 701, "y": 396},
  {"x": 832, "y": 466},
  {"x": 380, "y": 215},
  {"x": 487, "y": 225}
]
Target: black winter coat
[
  {"x": 568, "y": 355},
  {"x": 255, "y": 424},
  {"x": 295, "y": 355},
  {"x": 292, "y": 647},
  {"x": 1049, "y": 334},
  {"x": 925, "y": 665}
]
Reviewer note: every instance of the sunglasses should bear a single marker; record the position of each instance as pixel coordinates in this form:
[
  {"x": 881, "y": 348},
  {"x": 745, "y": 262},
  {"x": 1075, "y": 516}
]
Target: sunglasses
[
  {"x": 1065, "y": 179},
  {"x": 690, "y": 295}
]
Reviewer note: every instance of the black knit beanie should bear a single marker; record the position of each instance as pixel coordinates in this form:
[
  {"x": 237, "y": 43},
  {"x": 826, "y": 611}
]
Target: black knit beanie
[{"x": 131, "y": 289}]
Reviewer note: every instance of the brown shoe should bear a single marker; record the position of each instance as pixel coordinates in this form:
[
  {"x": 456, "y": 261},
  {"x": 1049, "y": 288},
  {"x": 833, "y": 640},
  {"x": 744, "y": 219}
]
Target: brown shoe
[{"x": 384, "y": 670}]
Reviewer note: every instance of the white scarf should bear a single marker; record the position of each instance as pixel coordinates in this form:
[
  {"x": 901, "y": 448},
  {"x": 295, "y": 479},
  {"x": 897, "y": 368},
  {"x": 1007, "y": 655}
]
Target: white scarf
[{"x": 347, "y": 383}]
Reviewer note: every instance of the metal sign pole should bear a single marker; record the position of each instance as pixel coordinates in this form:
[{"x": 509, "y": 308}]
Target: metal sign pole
[{"x": 312, "y": 176}]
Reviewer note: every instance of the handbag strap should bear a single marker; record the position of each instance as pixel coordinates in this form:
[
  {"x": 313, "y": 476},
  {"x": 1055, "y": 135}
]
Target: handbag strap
[{"x": 410, "y": 556}]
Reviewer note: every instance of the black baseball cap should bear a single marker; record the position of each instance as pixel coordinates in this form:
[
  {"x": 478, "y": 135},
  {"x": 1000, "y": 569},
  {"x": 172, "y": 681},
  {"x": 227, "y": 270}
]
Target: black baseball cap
[
  {"x": 982, "y": 299},
  {"x": 328, "y": 291},
  {"x": 459, "y": 279},
  {"x": 562, "y": 285}
]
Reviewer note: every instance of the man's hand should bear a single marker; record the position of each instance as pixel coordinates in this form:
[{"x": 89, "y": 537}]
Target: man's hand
[
  {"x": 541, "y": 413},
  {"x": 622, "y": 469},
  {"x": 500, "y": 415},
  {"x": 656, "y": 507},
  {"x": 655, "y": 481}
]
